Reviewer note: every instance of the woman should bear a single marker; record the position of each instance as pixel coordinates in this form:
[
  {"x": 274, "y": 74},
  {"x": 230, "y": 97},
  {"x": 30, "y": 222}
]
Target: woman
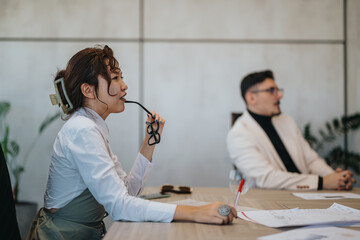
[{"x": 85, "y": 177}]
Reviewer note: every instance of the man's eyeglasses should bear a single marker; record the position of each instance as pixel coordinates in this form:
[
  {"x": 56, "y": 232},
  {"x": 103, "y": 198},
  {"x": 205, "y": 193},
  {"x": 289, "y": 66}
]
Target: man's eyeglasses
[{"x": 271, "y": 90}]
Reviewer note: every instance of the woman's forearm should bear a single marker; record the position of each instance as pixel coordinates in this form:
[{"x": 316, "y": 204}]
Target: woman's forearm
[
  {"x": 146, "y": 150},
  {"x": 204, "y": 214}
]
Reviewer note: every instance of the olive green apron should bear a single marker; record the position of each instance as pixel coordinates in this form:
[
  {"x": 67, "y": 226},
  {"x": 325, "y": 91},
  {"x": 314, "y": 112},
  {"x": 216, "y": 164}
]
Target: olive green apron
[{"x": 79, "y": 219}]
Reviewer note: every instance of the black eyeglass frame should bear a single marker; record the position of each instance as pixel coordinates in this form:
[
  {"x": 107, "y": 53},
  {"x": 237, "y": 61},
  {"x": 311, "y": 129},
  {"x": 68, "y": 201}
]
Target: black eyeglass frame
[{"x": 154, "y": 133}]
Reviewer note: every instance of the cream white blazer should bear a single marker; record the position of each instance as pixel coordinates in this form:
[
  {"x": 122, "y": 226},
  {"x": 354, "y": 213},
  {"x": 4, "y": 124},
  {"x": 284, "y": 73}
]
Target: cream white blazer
[{"x": 252, "y": 152}]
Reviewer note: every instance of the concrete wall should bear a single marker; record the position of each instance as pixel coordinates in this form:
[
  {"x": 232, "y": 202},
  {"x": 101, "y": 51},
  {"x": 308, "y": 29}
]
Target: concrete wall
[
  {"x": 183, "y": 59},
  {"x": 354, "y": 67}
]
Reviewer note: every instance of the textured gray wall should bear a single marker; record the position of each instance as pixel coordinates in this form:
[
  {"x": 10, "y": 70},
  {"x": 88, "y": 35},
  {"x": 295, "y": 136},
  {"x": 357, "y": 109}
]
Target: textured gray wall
[{"x": 187, "y": 67}]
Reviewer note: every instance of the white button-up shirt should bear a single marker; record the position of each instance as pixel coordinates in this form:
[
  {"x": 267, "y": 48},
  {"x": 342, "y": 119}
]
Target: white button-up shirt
[{"x": 83, "y": 159}]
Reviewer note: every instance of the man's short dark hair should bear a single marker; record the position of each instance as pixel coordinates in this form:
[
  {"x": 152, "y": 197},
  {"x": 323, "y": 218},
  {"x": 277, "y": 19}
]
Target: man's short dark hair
[{"x": 253, "y": 79}]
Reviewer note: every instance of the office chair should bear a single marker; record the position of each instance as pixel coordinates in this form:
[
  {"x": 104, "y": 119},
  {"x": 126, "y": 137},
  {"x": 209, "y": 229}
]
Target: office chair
[
  {"x": 234, "y": 117},
  {"x": 9, "y": 228}
]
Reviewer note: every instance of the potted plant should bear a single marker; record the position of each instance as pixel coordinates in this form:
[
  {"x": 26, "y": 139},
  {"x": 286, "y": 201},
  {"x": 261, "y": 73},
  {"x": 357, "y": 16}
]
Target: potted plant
[
  {"x": 25, "y": 211},
  {"x": 337, "y": 156}
]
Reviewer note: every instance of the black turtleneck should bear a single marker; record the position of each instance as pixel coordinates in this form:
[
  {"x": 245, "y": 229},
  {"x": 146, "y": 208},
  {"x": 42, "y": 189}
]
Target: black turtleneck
[{"x": 267, "y": 126}]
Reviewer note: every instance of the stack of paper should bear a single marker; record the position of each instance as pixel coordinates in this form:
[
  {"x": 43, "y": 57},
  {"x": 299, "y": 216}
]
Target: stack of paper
[
  {"x": 323, "y": 233},
  {"x": 336, "y": 214},
  {"x": 326, "y": 196}
]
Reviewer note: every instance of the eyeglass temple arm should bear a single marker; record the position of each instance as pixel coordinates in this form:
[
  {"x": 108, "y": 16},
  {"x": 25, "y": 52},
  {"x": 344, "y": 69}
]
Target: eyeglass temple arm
[{"x": 140, "y": 106}]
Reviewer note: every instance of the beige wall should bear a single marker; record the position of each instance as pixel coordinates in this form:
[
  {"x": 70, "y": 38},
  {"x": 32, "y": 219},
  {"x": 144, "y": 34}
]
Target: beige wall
[
  {"x": 354, "y": 67},
  {"x": 189, "y": 67}
]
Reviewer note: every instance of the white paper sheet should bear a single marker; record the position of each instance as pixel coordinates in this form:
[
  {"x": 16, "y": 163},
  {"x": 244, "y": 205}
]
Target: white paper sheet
[
  {"x": 315, "y": 233},
  {"x": 336, "y": 214},
  {"x": 326, "y": 196}
]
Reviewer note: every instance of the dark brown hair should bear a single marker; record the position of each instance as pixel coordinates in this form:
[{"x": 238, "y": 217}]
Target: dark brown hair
[
  {"x": 253, "y": 79},
  {"x": 85, "y": 67}
]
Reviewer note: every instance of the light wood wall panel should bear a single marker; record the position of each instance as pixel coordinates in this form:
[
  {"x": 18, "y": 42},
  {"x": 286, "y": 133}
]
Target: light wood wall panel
[
  {"x": 354, "y": 68},
  {"x": 69, "y": 19},
  {"x": 196, "y": 87},
  {"x": 244, "y": 19}
]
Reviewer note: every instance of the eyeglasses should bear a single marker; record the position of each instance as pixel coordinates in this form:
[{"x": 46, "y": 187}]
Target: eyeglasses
[
  {"x": 153, "y": 131},
  {"x": 271, "y": 90}
]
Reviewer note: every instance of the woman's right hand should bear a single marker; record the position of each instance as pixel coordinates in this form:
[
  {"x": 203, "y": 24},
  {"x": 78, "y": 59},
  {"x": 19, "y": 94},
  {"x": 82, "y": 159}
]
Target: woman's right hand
[
  {"x": 204, "y": 214},
  {"x": 155, "y": 117},
  {"x": 146, "y": 150}
]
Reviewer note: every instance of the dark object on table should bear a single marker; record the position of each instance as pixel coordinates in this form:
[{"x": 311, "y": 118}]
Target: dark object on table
[
  {"x": 155, "y": 196},
  {"x": 176, "y": 189}
]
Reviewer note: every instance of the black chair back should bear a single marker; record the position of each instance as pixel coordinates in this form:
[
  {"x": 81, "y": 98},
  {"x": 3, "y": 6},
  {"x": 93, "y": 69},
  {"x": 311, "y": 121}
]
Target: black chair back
[
  {"x": 234, "y": 116},
  {"x": 9, "y": 228}
]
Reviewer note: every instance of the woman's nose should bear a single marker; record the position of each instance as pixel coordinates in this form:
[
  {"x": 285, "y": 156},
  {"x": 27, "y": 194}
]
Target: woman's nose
[{"x": 124, "y": 86}]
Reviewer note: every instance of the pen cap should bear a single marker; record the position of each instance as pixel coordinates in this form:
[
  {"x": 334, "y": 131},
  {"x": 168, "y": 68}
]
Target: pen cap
[{"x": 241, "y": 185}]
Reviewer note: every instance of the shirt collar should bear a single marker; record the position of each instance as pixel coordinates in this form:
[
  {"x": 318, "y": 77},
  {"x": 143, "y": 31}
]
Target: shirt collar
[{"x": 88, "y": 112}]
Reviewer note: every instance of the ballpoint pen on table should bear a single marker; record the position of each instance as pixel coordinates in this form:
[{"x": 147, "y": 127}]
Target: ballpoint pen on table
[{"x": 239, "y": 192}]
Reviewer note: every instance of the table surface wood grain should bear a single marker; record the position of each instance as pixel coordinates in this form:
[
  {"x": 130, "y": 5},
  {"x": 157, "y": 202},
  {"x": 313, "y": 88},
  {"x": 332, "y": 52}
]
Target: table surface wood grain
[{"x": 239, "y": 229}]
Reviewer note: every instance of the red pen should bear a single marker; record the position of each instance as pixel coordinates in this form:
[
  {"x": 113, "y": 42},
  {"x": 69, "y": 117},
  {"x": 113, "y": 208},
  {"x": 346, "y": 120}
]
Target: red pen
[{"x": 238, "y": 193}]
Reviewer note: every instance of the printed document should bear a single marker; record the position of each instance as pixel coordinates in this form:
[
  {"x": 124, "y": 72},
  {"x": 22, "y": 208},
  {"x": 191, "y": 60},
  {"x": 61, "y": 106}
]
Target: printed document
[
  {"x": 336, "y": 214},
  {"x": 326, "y": 196},
  {"x": 315, "y": 233}
]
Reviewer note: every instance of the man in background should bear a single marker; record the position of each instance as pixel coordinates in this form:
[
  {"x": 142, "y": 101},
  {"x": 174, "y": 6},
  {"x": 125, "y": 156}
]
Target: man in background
[{"x": 268, "y": 147}]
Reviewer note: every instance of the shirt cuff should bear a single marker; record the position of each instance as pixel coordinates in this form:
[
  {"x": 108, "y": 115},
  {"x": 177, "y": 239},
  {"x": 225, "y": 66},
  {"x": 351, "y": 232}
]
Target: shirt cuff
[
  {"x": 144, "y": 160},
  {"x": 320, "y": 183},
  {"x": 160, "y": 212}
]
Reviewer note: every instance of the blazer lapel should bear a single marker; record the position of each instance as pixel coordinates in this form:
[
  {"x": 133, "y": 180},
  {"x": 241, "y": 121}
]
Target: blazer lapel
[{"x": 263, "y": 141}]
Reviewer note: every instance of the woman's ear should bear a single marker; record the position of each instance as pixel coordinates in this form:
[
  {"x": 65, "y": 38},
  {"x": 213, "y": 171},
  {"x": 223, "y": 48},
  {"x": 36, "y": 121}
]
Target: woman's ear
[{"x": 88, "y": 91}]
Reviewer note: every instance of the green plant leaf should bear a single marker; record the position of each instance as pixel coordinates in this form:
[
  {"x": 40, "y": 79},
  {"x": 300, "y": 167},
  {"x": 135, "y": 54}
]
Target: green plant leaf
[
  {"x": 4, "y": 109},
  {"x": 312, "y": 140},
  {"x": 17, "y": 171},
  {"x": 15, "y": 148},
  {"x": 331, "y": 136},
  {"x": 337, "y": 156},
  {"x": 4, "y": 143},
  {"x": 48, "y": 121},
  {"x": 336, "y": 124},
  {"x": 322, "y": 134},
  {"x": 354, "y": 121}
]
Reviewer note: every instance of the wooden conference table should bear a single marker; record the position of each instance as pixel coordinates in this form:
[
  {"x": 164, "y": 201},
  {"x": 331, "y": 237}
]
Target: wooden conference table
[{"x": 239, "y": 229}]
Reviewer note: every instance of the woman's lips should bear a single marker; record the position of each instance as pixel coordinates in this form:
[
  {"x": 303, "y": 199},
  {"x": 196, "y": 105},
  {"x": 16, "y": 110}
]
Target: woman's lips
[{"x": 123, "y": 98}]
